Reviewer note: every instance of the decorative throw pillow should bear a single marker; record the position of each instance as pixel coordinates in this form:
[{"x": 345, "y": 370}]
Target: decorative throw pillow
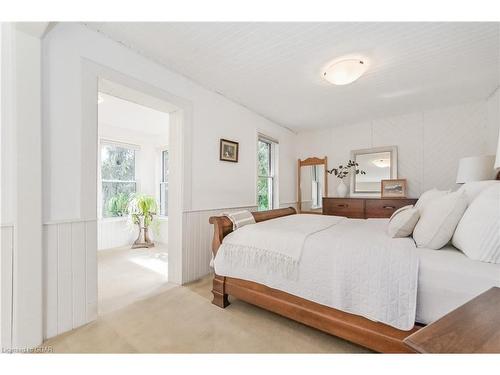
[
  {"x": 428, "y": 197},
  {"x": 240, "y": 218},
  {"x": 400, "y": 209},
  {"x": 439, "y": 219},
  {"x": 478, "y": 232},
  {"x": 403, "y": 221},
  {"x": 474, "y": 188}
]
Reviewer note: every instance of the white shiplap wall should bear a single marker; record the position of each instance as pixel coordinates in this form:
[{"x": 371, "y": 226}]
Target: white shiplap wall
[
  {"x": 430, "y": 143},
  {"x": 197, "y": 241},
  {"x": 70, "y": 275},
  {"x": 7, "y": 253}
]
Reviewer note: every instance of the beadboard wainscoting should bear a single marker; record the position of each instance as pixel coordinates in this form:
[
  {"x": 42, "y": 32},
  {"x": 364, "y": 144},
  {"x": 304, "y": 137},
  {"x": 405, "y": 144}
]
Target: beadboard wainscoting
[
  {"x": 7, "y": 248},
  {"x": 70, "y": 275},
  {"x": 197, "y": 241},
  {"x": 162, "y": 235},
  {"x": 116, "y": 232}
]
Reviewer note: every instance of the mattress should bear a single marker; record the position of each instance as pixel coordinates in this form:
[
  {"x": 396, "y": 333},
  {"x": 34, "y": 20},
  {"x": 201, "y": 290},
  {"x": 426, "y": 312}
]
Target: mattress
[{"x": 447, "y": 279}]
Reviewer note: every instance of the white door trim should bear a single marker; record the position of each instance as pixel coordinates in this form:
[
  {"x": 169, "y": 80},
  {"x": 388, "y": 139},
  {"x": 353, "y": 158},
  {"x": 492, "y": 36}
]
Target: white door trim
[{"x": 180, "y": 155}]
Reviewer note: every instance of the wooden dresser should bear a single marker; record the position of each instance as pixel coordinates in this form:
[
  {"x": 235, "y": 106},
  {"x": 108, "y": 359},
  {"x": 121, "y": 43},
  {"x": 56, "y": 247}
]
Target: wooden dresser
[{"x": 364, "y": 208}]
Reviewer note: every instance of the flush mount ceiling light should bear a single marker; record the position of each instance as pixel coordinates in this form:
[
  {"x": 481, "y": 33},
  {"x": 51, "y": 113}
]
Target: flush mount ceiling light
[
  {"x": 345, "y": 71},
  {"x": 382, "y": 163}
]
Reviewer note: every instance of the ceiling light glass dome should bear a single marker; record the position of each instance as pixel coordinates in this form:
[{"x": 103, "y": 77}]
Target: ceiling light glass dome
[{"x": 345, "y": 71}]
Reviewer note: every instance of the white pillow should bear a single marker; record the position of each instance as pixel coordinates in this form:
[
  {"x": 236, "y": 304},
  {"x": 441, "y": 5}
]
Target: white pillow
[
  {"x": 400, "y": 209},
  {"x": 403, "y": 221},
  {"x": 474, "y": 188},
  {"x": 478, "y": 232},
  {"x": 428, "y": 197},
  {"x": 438, "y": 220}
]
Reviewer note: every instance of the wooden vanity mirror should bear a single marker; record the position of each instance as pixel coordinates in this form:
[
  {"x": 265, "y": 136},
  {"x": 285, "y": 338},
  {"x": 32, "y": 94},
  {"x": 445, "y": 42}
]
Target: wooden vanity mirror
[{"x": 312, "y": 185}]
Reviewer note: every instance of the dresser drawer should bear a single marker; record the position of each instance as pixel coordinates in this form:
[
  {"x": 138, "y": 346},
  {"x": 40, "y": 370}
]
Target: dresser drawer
[
  {"x": 384, "y": 208},
  {"x": 353, "y": 208}
]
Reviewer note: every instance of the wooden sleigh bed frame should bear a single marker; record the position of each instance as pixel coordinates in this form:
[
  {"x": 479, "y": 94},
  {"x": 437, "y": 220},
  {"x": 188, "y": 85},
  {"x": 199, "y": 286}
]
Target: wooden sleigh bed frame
[{"x": 376, "y": 336}]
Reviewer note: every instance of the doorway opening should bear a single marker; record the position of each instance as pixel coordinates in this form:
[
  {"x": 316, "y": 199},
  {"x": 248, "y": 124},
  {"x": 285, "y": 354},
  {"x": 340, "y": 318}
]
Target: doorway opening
[{"x": 132, "y": 196}]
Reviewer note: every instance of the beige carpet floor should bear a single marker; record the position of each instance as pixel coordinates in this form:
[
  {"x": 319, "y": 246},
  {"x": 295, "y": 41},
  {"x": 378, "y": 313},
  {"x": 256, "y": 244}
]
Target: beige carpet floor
[
  {"x": 127, "y": 275},
  {"x": 182, "y": 320}
]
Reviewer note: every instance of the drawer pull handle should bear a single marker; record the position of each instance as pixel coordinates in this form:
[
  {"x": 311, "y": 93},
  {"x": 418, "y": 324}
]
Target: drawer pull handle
[
  {"x": 390, "y": 207},
  {"x": 342, "y": 205}
]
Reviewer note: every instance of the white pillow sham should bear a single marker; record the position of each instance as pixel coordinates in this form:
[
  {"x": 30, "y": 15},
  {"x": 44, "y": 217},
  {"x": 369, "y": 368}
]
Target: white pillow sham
[
  {"x": 399, "y": 210},
  {"x": 428, "y": 197},
  {"x": 439, "y": 219},
  {"x": 403, "y": 221},
  {"x": 474, "y": 188},
  {"x": 478, "y": 232}
]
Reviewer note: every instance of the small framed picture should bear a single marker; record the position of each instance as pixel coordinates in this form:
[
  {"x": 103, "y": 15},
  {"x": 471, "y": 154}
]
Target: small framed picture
[
  {"x": 228, "y": 150},
  {"x": 393, "y": 188}
]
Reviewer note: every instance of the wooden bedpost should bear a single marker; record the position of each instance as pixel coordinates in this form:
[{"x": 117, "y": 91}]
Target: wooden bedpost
[
  {"x": 220, "y": 297},
  {"x": 222, "y": 227}
]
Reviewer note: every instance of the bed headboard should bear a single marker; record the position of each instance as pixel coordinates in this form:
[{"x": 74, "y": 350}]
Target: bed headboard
[{"x": 223, "y": 226}]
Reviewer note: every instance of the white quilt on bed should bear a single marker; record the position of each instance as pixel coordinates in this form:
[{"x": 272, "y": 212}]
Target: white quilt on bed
[
  {"x": 275, "y": 245},
  {"x": 352, "y": 266}
]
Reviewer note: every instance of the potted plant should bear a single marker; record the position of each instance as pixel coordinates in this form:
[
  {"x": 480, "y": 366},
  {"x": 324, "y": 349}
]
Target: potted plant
[
  {"x": 117, "y": 205},
  {"x": 343, "y": 171},
  {"x": 142, "y": 210}
]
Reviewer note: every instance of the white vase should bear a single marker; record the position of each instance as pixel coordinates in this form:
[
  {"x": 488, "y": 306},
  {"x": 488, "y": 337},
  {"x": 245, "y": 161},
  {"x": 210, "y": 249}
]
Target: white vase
[{"x": 342, "y": 189}]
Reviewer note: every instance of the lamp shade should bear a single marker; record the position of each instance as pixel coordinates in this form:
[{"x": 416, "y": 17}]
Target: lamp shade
[{"x": 476, "y": 168}]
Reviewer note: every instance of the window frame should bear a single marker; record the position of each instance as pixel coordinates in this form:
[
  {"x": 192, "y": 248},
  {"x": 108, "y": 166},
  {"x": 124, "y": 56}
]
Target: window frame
[
  {"x": 272, "y": 168},
  {"x": 114, "y": 143}
]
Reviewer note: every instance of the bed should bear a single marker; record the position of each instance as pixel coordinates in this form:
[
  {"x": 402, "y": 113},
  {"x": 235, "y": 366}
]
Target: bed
[{"x": 446, "y": 279}]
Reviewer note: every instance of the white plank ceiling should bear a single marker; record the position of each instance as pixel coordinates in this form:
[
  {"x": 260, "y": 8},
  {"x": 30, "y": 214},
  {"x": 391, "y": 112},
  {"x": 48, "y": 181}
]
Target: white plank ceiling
[{"x": 275, "y": 69}]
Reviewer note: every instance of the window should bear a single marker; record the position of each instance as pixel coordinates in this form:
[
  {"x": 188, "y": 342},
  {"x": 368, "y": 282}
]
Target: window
[
  {"x": 266, "y": 173},
  {"x": 117, "y": 178},
  {"x": 164, "y": 184}
]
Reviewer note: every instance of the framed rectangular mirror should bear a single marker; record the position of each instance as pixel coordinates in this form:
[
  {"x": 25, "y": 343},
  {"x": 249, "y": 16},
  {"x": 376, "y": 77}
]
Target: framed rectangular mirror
[
  {"x": 312, "y": 184},
  {"x": 379, "y": 163}
]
